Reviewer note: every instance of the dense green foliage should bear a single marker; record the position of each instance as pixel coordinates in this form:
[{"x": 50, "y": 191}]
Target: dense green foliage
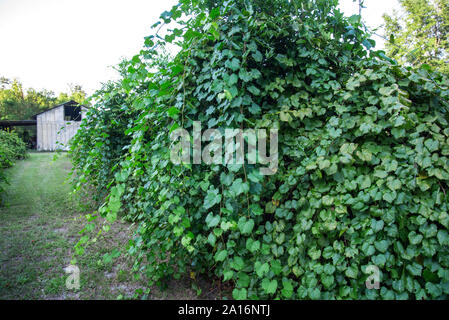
[
  {"x": 11, "y": 148},
  {"x": 102, "y": 133},
  {"x": 363, "y": 147},
  {"x": 420, "y": 34}
]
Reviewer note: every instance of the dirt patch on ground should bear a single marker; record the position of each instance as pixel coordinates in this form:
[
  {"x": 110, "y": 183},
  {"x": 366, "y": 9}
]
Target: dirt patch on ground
[{"x": 61, "y": 230}]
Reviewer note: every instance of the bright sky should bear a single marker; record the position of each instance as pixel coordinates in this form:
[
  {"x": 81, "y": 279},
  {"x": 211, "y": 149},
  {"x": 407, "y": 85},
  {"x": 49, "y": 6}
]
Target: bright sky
[
  {"x": 51, "y": 43},
  {"x": 371, "y": 14}
]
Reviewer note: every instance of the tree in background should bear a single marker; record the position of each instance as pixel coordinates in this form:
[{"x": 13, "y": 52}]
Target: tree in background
[
  {"x": 76, "y": 94},
  {"x": 421, "y": 34},
  {"x": 18, "y": 104}
]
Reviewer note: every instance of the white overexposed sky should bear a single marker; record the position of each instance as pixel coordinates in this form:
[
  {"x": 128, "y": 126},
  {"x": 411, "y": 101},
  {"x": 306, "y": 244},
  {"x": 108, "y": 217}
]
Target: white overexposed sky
[
  {"x": 371, "y": 14},
  {"x": 51, "y": 43}
]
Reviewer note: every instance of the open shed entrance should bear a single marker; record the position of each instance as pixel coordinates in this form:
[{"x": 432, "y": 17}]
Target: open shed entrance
[{"x": 72, "y": 112}]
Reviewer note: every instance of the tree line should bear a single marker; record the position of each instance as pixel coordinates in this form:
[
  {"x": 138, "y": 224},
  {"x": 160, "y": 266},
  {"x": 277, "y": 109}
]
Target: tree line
[{"x": 17, "y": 103}]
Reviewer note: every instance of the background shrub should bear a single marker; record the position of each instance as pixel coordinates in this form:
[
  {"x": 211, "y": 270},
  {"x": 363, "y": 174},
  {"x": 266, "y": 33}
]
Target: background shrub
[
  {"x": 11, "y": 148},
  {"x": 363, "y": 147}
]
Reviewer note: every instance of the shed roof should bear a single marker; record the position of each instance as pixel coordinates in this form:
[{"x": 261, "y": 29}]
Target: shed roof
[{"x": 68, "y": 103}]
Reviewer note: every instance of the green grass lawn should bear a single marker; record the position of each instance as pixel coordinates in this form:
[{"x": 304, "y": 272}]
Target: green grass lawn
[{"x": 40, "y": 224}]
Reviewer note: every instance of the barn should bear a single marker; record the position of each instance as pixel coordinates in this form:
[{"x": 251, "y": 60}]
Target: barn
[{"x": 56, "y": 126}]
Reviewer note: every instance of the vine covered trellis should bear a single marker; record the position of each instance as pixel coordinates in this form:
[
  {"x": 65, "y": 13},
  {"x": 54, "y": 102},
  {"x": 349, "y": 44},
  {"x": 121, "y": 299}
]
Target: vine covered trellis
[{"x": 363, "y": 148}]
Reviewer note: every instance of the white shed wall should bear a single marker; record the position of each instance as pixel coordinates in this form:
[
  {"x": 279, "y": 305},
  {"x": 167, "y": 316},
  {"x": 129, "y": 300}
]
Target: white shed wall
[{"x": 53, "y": 132}]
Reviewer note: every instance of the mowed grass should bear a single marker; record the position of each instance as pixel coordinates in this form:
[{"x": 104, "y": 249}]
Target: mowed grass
[{"x": 40, "y": 224}]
